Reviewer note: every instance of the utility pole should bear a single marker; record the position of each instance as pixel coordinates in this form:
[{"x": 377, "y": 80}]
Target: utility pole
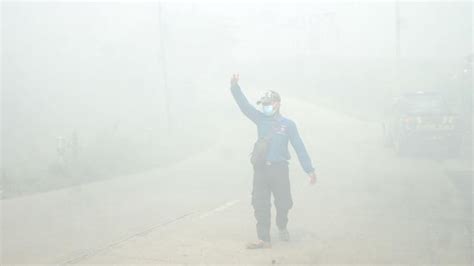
[
  {"x": 161, "y": 27},
  {"x": 397, "y": 46}
]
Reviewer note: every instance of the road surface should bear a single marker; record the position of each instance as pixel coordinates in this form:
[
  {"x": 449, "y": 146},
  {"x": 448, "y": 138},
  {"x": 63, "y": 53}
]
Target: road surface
[{"x": 368, "y": 207}]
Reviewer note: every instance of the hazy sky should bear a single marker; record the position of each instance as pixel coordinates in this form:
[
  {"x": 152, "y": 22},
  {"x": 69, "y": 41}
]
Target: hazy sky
[{"x": 64, "y": 63}]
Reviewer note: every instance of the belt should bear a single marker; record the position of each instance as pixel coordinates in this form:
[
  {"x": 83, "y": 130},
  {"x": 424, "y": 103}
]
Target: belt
[{"x": 268, "y": 163}]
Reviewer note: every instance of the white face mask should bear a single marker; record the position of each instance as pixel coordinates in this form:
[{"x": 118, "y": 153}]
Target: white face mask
[{"x": 268, "y": 110}]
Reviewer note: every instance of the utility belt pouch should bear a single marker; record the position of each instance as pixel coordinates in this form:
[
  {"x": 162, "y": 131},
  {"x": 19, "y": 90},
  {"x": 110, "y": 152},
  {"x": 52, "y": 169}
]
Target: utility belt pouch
[{"x": 260, "y": 151}]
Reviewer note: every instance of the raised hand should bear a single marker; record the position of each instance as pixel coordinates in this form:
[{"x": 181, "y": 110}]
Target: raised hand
[{"x": 235, "y": 79}]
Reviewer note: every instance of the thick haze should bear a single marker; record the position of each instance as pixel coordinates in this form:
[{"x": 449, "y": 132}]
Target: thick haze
[
  {"x": 93, "y": 91},
  {"x": 94, "y": 68}
]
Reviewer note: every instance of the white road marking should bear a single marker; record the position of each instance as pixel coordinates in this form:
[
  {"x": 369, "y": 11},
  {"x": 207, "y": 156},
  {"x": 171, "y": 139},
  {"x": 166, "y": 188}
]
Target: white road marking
[
  {"x": 94, "y": 252},
  {"x": 219, "y": 209}
]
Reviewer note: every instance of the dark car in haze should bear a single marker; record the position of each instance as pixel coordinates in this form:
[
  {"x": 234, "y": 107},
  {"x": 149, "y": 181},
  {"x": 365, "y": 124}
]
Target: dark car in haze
[{"x": 421, "y": 121}]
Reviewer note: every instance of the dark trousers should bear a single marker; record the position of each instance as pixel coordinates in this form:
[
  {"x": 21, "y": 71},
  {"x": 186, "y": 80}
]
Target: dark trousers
[{"x": 270, "y": 179}]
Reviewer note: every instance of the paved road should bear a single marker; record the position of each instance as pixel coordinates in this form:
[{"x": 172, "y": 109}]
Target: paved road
[{"x": 368, "y": 207}]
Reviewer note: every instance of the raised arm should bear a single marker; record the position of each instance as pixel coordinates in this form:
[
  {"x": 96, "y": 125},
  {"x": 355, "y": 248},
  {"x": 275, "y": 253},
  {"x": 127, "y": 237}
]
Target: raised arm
[{"x": 249, "y": 110}]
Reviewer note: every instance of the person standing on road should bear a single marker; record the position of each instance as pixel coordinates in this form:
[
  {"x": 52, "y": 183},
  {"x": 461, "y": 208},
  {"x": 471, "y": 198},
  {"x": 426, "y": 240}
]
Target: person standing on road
[{"x": 270, "y": 162}]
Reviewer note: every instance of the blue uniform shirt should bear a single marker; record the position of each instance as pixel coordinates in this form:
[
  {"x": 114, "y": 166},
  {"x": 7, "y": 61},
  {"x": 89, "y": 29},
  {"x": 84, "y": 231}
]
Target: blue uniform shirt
[{"x": 281, "y": 130}]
